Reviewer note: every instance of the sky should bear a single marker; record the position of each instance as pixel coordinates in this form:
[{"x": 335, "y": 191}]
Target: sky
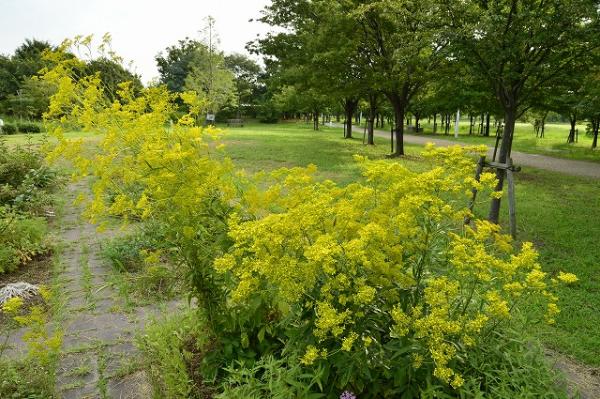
[{"x": 140, "y": 29}]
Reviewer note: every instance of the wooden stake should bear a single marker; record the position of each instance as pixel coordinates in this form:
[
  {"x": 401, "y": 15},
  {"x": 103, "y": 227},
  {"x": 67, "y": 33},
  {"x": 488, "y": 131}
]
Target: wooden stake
[
  {"x": 478, "y": 171},
  {"x": 512, "y": 210}
]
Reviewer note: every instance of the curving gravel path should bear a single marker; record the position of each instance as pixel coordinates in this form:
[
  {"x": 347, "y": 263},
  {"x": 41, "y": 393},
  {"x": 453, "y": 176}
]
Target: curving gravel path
[{"x": 560, "y": 165}]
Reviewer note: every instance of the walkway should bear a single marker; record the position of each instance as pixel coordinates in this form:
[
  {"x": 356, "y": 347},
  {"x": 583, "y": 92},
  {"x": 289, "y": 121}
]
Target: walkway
[
  {"x": 98, "y": 358},
  {"x": 560, "y": 165}
]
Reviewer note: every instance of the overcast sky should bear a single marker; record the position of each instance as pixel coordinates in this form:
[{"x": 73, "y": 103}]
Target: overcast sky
[{"x": 140, "y": 28}]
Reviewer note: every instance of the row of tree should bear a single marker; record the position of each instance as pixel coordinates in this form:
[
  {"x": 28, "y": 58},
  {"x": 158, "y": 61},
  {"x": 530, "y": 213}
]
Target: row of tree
[
  {"x": 229, "y": 84},
  {"x": 436, "y": 56},
  {"x": 22, "y": 95}
]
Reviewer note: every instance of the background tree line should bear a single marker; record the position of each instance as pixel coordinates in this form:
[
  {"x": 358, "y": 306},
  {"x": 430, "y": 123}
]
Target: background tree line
[{"x": 502, "y": 58}]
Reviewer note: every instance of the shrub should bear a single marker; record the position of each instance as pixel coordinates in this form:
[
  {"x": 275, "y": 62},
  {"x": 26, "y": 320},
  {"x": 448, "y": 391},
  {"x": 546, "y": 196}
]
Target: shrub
[
  {"x": 25, "y": 181},
  {"x": 268, "y": 378},
  {"x": 16, "y": 163},
  {"x": 21, "y": 239},
  {"x": 126, "y": 253},
  {"x": 9, "y": 128},
  {"x": 28, "y": 127},
  {"x": 377, "y": 287},
  {"x": 267, "y": 114},
  {"x": 171, "y": 348}
]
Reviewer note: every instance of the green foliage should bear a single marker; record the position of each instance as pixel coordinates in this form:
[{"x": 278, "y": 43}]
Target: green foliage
[
  {"x": 176, "y": 62},
  {"x": 25, "y": 182},
  {"x": 9, "y": 128},
  {"x": 31, "y": 101},
  {"x": 246, "y": 73},
  {"x": 15, "y": 164},
  {"x": 25, "y": 380},
  {"x": 268, "y": 378},
  {"x": 21, "y": 239},
  {"x": 268, "y": 112},
  {"x": 34, "y": 376},
  {"x": 29, "y": 127},
  {"x": 112, "y": 73},
  {"x": 510, "y": 366},
  {"x": 143, "y": 259},
  {"x": 126, "y": 252},
  {"x": 173, "y": 351},
  {"x": 25, "y": 186}
]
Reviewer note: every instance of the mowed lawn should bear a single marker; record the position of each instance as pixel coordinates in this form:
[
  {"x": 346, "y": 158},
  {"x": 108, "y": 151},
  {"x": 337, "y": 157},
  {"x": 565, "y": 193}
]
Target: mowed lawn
[
  {"x": 559, "y": 213},
  {"x": 40, "y": 138},
  {"x": 553, "y": 144}
]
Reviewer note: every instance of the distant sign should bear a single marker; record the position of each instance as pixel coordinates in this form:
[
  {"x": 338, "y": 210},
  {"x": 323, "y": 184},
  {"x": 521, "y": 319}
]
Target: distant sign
[
  {"x": 210, "y": 117},
  {"x": 1, "y": 123}
]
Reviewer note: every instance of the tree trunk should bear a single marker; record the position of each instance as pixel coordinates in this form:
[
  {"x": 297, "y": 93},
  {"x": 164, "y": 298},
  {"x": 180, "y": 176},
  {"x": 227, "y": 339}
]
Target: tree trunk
[
  {"x": 470, "y": 124},
  {"x": 417, "y": 121},
  {"x": 371, "y": 119},
  {"x": 349, "y": 109},
  {"x": 480, "y": 128},
  {"x": 505, "y": 147},
  {"x": 543, "y": 125},
  {"x": 399, "y": 106},
  {"x": 595, "y": 128},
  {"x": 573, "y": 120},
  {"x": 487, "y": 125},
  {"x": 434, "y": 123},
  {"x": 316, "y": 120}
]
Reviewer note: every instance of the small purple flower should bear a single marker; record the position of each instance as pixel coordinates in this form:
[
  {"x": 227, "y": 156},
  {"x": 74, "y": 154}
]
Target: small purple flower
[{"x": 347, "y": 395}]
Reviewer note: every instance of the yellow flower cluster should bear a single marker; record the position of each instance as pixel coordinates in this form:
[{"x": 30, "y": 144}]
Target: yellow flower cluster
[{"x": 385, "y": 259}]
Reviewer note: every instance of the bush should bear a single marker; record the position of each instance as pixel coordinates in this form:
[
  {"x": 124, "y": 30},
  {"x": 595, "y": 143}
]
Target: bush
[
  {"x": 28, "y": 127},
  {"x": 268, "y": 113},
  {"x": 268, "y": 378},
  {"x": 126, "y": 252},
  {"x": 142, "y": 256},
  {"x": 377, "y": 287},
  {"x": 172, "y": 351},
  {"x": 25, "y": 182},
  {"x": 21, "y": 239},
  {"x": 9, "y": 128},
  {"x": 16, "y": 163}
]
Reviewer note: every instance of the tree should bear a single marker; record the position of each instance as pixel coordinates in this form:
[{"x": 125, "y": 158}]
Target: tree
[
  {"x": 401, "y": 41},
  {"x": 211, "y": 80},
  {"x": 318, "y": 50},
  {"x": 591, "y": 104},
  {"x": 28, "y": 58},
  {"x": 112, "y": 74},
  {"x": 15, "y": 74},
  {"x": 177, "y": 62},
  {"x": 246, "y": 73},
  {"x": 521, "y": 48},
  {"x": 32, "y": 99},
  {"x": 9, "y": 82}
]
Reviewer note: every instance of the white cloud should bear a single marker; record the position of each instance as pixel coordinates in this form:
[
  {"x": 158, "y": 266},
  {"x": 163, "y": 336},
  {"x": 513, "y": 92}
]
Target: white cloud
[{"x": 140, "y": 28}]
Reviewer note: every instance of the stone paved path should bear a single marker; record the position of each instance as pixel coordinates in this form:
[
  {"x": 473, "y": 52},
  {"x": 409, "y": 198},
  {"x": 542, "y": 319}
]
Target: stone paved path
[
  {"x": 98, "y": 357},
  {"x": 560, "y": 165}
]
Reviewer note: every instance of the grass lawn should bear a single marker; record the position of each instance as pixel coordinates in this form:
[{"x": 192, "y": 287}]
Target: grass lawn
[
  {"x": 560, "y": 214},
  {"x": 266, "y": 147},
  {"x": 38, "y": 138},
  {"x": 553, "y": 144}
]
